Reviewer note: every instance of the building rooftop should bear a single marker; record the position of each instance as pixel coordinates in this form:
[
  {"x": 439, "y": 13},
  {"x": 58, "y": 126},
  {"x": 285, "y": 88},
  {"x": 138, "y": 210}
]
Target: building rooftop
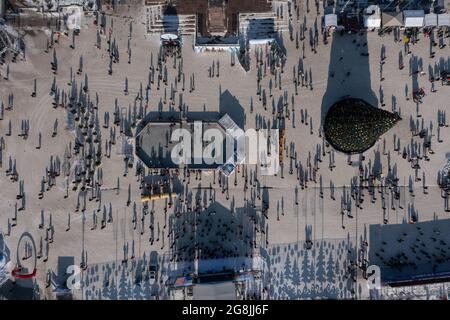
[{"x": 218, "y": 16}]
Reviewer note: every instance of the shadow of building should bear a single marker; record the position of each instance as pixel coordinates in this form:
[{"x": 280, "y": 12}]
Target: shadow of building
[
  {"x": 212, "y": 241},
  {"x": 411, "y": 253},
  {"x": 229, "y": 104}
]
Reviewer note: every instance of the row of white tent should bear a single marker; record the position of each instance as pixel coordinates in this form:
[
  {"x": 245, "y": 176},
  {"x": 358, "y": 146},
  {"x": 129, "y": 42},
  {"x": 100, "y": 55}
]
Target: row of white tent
[{"x": 375, "y": 19}]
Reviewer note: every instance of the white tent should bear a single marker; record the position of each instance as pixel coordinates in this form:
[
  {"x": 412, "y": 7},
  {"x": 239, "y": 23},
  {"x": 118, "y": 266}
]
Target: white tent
[
  {"x": 444, "y": 20},
  {"x": 372, "y": 22},
  {"x": 330, "y": 20},
  {"x": 431, "y": 20},
  {"x": 372, "y": 18},
  {"x": 413, "y": 18}
]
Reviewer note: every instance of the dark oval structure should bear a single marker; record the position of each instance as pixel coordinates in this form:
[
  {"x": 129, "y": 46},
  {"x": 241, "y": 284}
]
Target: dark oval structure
[{"x": 353, "y": 125}]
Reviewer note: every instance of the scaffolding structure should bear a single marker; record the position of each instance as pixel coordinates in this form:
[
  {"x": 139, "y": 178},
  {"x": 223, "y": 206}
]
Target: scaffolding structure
[{"x": 9, "y": 40}]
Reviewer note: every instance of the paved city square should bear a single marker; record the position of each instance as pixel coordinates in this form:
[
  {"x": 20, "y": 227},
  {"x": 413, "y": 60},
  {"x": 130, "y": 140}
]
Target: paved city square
[{"x": 70, "y": 177}]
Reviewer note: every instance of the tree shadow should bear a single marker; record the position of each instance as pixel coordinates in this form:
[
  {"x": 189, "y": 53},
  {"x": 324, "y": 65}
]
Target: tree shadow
[
  {"x": 349, "y": 71},
  {"x": 320, "y": 273},
  {"x": 171, "y": 23}
]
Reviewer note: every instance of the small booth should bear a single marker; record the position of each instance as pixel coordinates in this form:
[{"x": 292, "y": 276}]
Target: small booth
[
  {"x": 430, "y": 22},
  {"x": 443, "y": 20},
  {"x": 391, "y": 19},
  {"x": 413, "y": 18},
  {"x": 331, "y": 21},
  {"x": 372, "y": 17}
]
